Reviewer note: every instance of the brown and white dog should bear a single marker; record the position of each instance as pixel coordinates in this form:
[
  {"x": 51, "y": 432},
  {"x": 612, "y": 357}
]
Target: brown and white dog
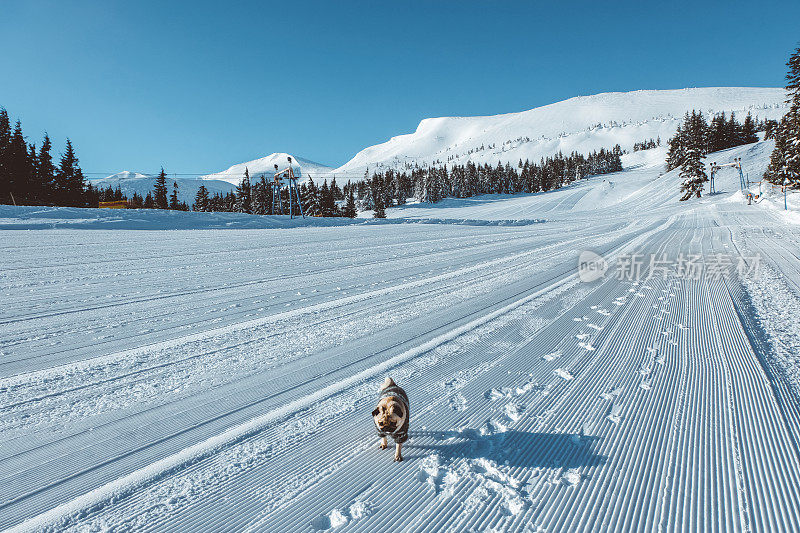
[{"x": 392, "y": 415}]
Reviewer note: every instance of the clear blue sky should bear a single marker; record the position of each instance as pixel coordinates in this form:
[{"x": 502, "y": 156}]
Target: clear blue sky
[{"x": 197, "y": 86}]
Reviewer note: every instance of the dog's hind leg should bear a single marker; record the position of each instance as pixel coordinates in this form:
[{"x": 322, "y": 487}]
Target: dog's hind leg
[
  {"x": 397, "y": 455},
  {"x": 383, "y": 445}
]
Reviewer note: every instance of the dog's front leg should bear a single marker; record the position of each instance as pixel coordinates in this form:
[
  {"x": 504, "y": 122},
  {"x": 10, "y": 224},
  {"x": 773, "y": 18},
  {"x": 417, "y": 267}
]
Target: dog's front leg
[
  {"x": 383, "y": 445},
  {"x": 397, "y": 455}
]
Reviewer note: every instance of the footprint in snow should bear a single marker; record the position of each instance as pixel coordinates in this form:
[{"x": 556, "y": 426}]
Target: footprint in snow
[
  {"x": 582, "y": 336},
  {"x": 555, "y": 355},
  {"x": 615, "y": 413},
  {"x": 570, "y": 477},
  {"x": 644, "y": 385},
  {"x": 586, "y": 346},
  {"x": 458, "y": 402},
  {"x": 595, "y": 327},
  {"x": 340, "y": 517},
  {"x": 611, "y": 395},
  {"x": 563, "y": 374}
]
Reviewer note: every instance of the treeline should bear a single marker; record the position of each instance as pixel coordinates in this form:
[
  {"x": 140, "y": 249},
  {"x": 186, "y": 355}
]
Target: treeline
[
  {"x": 28, "y": 176},
  {"x": 694, "y": 133},
  {"x": 462, "y": 181},
  {"x": 391, "y": 188},
  {"x": 646, "y": 145},
  {"x": 784, "y": 162}
]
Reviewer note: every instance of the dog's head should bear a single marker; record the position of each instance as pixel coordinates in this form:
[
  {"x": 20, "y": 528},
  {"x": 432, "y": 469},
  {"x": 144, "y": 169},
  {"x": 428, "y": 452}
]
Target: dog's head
[{"x": 390, "y": 415}]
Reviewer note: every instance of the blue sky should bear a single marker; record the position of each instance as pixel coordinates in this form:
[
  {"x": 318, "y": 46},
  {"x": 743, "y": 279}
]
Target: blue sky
[{"x": 197, "y": 86}]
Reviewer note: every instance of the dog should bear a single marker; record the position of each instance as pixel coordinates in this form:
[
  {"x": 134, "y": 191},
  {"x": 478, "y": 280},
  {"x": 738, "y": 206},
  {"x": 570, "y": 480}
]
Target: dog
[{"x": 392, "y": 416}]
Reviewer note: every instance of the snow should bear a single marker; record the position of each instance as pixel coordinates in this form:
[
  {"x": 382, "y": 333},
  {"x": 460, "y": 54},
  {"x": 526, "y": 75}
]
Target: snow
[
  {"x": 266, "y": 166},
  {"x": 223, "y": 379},
  {"x": 582, "y": 124}
]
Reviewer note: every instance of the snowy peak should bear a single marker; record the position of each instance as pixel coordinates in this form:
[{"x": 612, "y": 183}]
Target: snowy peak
[
  {"x": 125, "y": 175},
  {"x": 265, "y": 166},
  {"x": 582, "y": 123}
]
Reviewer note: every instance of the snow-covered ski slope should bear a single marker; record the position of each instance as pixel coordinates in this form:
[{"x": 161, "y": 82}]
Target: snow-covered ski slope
[
  {"x": 581, "y": 124},
  {"x": 223, "y": 379}
]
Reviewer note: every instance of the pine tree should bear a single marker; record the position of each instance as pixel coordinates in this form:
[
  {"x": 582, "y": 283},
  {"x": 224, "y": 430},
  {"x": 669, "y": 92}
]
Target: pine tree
[
  {"x": 748, "y": 131},
  {"x": 693, "y": 174},
  {"x": 311, "y": 199},
  {"x": 380, "y": 209},
  {"x": 784, "y": 165},
  {"x": 262, "y": 196},
  {"x": 5, "y": 141},
  {"x": 201, "y": 199},
  {"x": 18, "y": 166},
  {"x": 160, "y": 191},
  {"x": 148, "y": 201},
  {"x": 174, "y": 203},
  {"x": 350, "y": 208},
  {"x": 46, "y": 171},
  {"x": 70, "y": 185},
  {"x": 136, "y": 201},
  {"x": 244, "y": 199}
]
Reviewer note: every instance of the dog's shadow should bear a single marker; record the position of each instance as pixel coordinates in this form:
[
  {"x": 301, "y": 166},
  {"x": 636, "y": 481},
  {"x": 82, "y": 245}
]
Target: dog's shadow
[{"x": 514, "y": 448}]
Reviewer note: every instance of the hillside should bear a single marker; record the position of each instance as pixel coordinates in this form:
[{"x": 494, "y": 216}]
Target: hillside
[{"x": 581, "y": 124}]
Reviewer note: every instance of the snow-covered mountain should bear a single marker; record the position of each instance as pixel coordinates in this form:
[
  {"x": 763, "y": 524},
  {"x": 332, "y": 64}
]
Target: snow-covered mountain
[
  {"x": 583, "y": 124},
  {"x": 265, "y": 166}
]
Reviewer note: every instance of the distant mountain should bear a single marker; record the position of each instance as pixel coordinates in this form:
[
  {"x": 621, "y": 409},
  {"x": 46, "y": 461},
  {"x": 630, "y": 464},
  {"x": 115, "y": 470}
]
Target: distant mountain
[
  {"x": 582, "y": 124},
  {"x": 265, "y": 166}
]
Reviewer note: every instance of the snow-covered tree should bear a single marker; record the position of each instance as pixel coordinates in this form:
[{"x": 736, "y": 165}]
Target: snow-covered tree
[{"x": 784, "y": 165}]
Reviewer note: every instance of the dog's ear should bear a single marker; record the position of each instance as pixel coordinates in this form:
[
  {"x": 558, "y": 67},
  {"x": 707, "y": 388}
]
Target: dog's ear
[{"x": 375, "y": 412}]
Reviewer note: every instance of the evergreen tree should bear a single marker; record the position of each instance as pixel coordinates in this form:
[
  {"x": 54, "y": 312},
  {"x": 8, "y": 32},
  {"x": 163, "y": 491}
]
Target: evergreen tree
[
  {"x": 148, "y": 201},
  {"x": 136, "y": 201},
  {"x": 46, "y": 171},
  {"x": 70, "y": 185},
  {"x": 160, "y": 191},
  {"x": 174, "y": 203},
  {"x": 262, "y": 197},
  {"x": 244, "y": 199},
  {"x": 380, "y": 209},
  {"x": 748, "y": 132},
  {"x": 311, "y": 200},
  {"x": 201, "y": 199},
  {"x": 18, "y": 177},
  {"x": 5, "y": 142},
  {"x": 784, "y": 165},
  {"x": 350, "y": 208},
  {"x": 693, "y": 174}
]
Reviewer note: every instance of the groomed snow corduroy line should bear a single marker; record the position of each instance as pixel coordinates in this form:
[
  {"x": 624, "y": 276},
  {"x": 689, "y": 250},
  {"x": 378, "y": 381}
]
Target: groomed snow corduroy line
[
  {"x": 119, "y": 487},
  {"x": 165, "y": 345}
]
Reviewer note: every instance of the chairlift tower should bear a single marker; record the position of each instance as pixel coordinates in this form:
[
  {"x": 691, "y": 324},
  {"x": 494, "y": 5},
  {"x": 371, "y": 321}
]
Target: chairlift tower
[
  {"x": 737, "y": 164},
  {"x": 294, "y": 191}
]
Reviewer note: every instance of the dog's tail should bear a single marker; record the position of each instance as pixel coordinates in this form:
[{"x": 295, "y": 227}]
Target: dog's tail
[{"x": 388, "y": 382}]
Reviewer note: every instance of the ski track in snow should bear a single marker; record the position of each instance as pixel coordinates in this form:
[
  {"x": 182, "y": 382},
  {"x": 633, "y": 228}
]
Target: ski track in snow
[{"x": 224, "y": 381}]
